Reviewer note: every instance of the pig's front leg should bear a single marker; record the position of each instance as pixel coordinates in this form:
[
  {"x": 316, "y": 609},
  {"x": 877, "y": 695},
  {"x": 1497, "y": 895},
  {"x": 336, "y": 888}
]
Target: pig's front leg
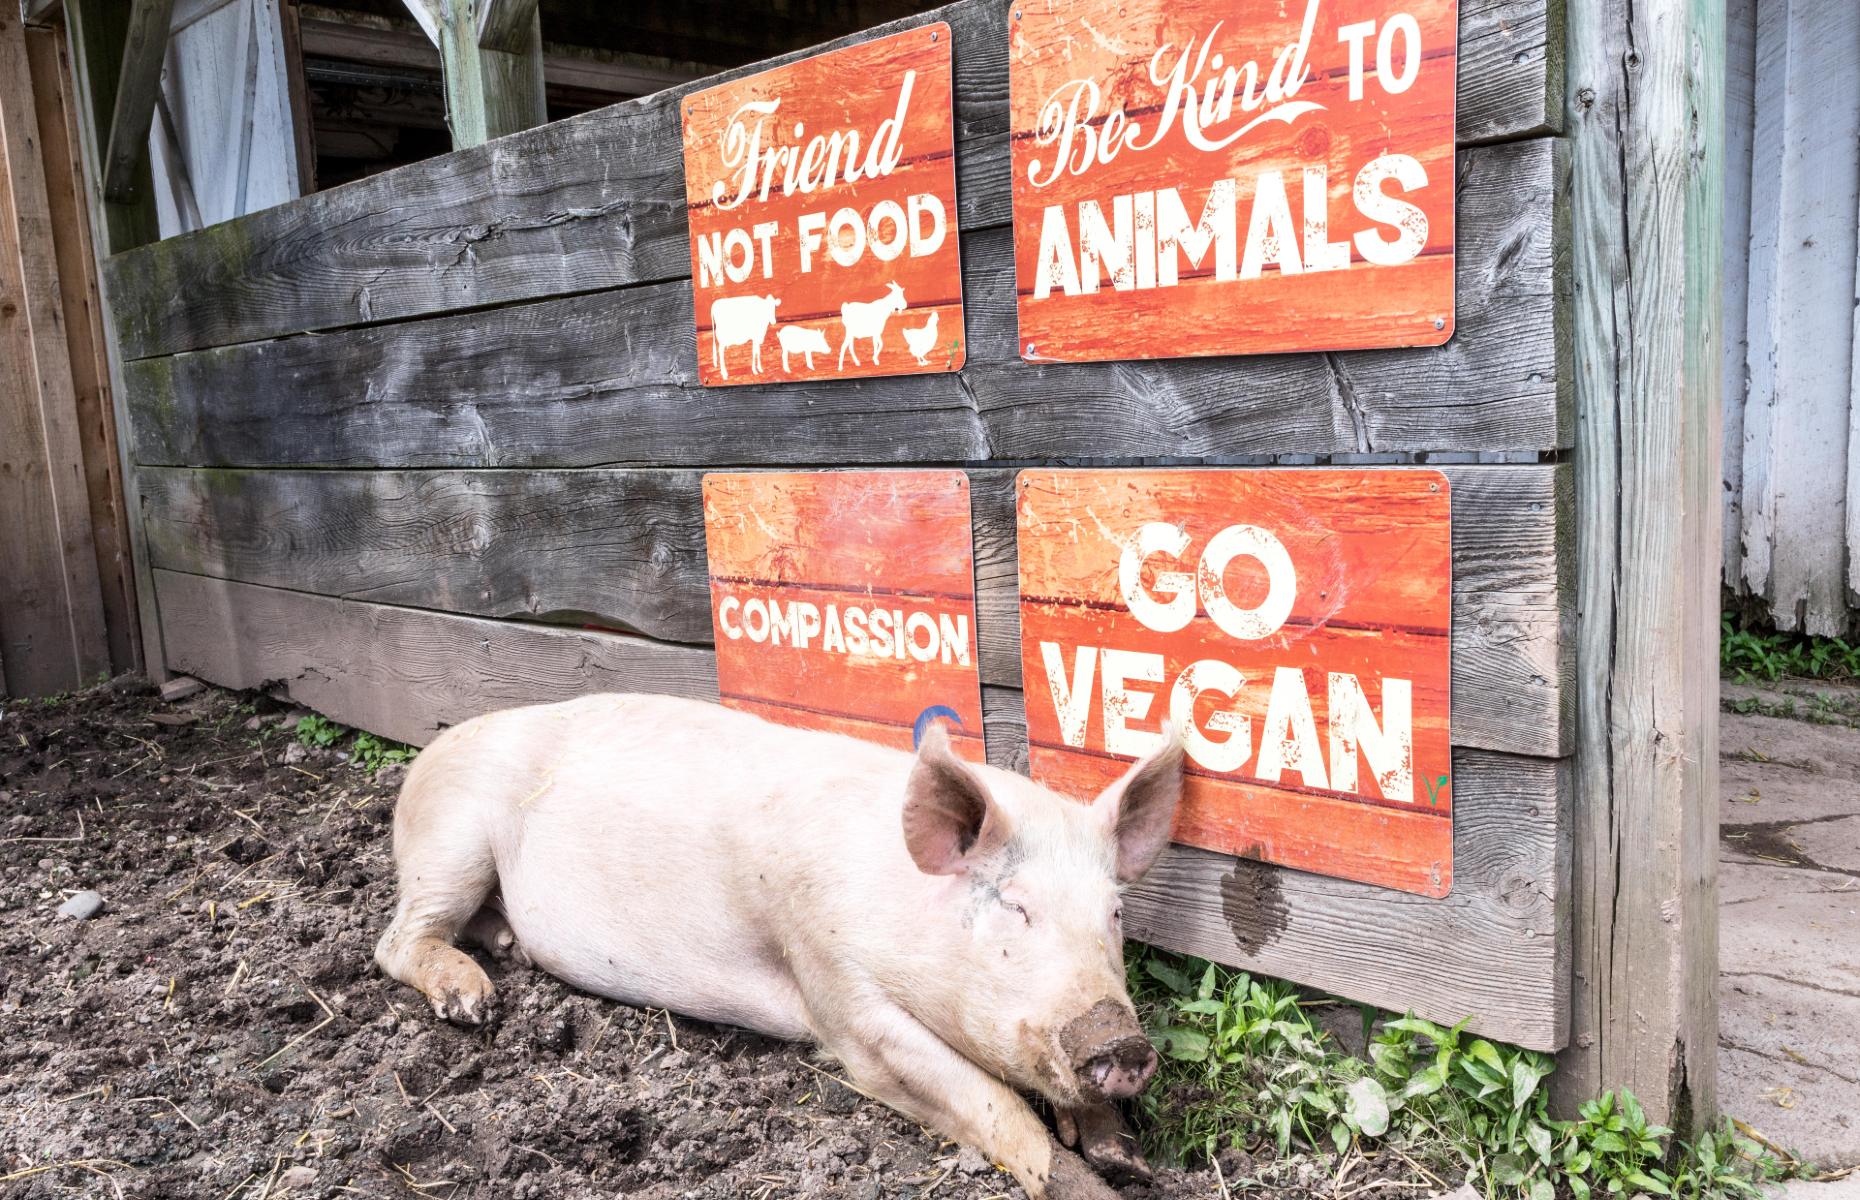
[
  {"x": 1099, "y": 1133},
  {"x": 893, "y": 1058}
]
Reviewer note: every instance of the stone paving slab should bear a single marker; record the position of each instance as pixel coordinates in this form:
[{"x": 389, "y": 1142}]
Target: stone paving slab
[{"x": 1789, "y": 930}]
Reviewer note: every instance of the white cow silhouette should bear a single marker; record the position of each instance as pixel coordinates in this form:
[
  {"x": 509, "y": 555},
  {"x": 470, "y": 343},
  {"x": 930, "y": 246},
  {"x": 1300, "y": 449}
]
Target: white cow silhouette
[
  {"x": 739, "y": 320},
  {"x": 866, "y": 319},
  {"x": 799, "y": 339}
]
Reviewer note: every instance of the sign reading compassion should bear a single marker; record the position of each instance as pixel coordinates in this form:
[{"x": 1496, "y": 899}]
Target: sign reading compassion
[
  {"x": 845, "y": 600},
  {"x": 1204, "y": 177},
  {"x": 1293, "y": 627},
  {"x": 822, "y": 206}
]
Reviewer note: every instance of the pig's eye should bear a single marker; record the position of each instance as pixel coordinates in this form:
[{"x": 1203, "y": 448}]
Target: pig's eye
[
  {"x": 1117, "y": 914},
  {"x": 1018, "y": 910}
]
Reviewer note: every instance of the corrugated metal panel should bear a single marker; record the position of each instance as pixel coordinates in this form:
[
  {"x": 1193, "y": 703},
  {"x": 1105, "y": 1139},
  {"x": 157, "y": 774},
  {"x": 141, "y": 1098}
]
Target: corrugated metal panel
[{"x": 1793, "y": 157}]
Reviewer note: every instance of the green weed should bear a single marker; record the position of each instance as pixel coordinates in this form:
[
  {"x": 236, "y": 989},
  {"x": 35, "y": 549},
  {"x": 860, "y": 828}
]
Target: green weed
[
  {"x": 1244, "y": 1064},
  {"x": 1749, "y": 652},
  {"x": 319, "y": 732},
  {"x": 371, "y": 753}
]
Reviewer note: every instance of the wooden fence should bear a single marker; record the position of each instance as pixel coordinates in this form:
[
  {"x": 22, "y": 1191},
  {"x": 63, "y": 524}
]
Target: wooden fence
[{"x": 430, "y": 444}]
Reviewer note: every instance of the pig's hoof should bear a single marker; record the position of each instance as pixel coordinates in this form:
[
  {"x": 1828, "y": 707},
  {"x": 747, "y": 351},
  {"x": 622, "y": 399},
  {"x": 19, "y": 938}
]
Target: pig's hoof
[
  {"x": 461, "y": 998},
  {"x": 1108, "y": 1146},
  {"x": 1117, "y": 1159}
]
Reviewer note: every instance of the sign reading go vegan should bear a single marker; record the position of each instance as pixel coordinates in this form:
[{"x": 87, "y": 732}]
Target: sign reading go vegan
[
  {"x": 822, "y": 204},
  {"x": 1292, "y": 625},
  {"x": 1204, "y": 177}
]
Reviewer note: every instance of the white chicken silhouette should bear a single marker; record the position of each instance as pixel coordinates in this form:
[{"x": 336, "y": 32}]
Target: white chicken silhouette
[{"x": 922, "y": 340}]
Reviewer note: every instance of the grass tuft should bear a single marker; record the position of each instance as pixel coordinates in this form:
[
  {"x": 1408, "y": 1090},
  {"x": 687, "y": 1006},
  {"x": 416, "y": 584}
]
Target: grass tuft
[{"x": 1749, "y": 652}]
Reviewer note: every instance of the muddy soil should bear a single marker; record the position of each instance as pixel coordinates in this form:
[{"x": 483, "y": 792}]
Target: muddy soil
[{"x": 218, "y": 1029}]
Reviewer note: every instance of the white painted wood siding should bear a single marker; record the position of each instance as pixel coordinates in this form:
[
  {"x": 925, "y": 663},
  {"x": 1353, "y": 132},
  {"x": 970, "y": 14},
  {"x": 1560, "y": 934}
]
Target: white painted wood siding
[{"x": 1792, "y": 230}]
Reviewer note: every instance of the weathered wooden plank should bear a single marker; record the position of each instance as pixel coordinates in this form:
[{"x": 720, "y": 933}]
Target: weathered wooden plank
[
  {"x": 612, "y": 378},
  {"x": 1646, "y": 196},
  {"x": 597, "y": 201},
  {"x": 625, "y": 550},
  {"x": 51, "y": 604},
  {"x": 1740, "y": 81},
  {"x": 126, "y": 148},
  {"x": 1491, "y": 950},
  {"x": 1803, "y": 201},
  {"x": 82, "y": 313},
  {"x": 112, "y": 227}
]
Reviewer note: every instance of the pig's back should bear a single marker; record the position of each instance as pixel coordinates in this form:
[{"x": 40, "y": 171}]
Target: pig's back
[{"x": 674, "y": 853}]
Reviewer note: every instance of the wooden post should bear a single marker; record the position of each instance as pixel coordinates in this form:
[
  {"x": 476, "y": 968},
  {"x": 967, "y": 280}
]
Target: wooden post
[
  {"x": 96, "y": 29},
  {"x": 1646, "y": 210},
  {"x": 491, "y": 55},
  {"x": 83, "y": 319},
  {"x": 138, "y": 83},
  {"x": 51, "y": 605}
]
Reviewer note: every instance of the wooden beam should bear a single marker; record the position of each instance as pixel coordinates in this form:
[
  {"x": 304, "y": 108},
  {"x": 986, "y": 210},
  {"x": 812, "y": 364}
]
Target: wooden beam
[
  {"x": 82, "y": 311},
  {"x": 145, "y": 46},
  {"x": 605, "y": 207},
  {"x": 378, "y": 41},
  {"x": 39, "y": 12},
  {"x": 51, "y": 604},
  {"x": 95, "y": 28},
  {"x": 505, "y": 24},
  {"x": 625, "y": 549},
  {"x": 489, "y": 93},
  {"x": 1646, "y": 92}
]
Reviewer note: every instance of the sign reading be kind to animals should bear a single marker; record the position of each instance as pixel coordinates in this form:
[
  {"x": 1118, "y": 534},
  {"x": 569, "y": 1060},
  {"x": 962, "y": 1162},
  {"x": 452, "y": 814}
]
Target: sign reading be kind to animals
[
  {"x": 845, "y": 601},
  {"x": 1209, "y": 177},
  {"x": 822, "y": 206},
  {"x": 1293, "y": 625}
]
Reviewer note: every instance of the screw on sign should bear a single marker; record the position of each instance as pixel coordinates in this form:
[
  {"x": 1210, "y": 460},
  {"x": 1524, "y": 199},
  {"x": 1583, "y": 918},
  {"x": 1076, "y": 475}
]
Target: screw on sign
[
  {"x": 1198, "y": 177},
  {"x": 822, "y": 204},
  {"x": 1293, "y": 626}
]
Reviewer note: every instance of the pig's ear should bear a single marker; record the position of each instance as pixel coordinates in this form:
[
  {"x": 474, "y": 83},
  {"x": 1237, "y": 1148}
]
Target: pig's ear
[
  {"x": 1141, "y": 807},
  {"x": 949, "y": 818}
]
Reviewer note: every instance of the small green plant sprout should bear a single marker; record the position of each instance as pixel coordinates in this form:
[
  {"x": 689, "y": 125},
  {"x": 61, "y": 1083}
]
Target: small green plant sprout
[
  {"x": 371, "y": 753},
  {"x": 318, "y": 732}
]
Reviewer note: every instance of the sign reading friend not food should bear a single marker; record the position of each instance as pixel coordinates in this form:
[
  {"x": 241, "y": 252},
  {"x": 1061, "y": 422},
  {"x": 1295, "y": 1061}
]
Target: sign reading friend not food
[
  {"x": 1292, "y": 625},
  {"x": 822, "y": 204},
  {"x": 845, "y": 601},
  {"x": 1209, "y": 177}
]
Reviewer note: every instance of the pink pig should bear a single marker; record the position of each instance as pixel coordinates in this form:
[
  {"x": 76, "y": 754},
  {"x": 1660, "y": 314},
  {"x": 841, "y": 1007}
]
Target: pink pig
[{"x": 949, "y": 932}]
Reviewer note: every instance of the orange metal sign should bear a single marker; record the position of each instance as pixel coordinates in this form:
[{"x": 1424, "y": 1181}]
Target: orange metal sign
[
  {"x": 822, "y": 205},
  {"x": 845, "y": 600},
  {"x": 1211, "y": 177},
  {"x": 1293, "y": 625}
]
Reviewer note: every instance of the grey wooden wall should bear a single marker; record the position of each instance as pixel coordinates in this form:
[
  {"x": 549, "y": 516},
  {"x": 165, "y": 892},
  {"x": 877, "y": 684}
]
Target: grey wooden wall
[
  {"x": 1792, "y": 213},
  {"x": 429, "y": 444}
]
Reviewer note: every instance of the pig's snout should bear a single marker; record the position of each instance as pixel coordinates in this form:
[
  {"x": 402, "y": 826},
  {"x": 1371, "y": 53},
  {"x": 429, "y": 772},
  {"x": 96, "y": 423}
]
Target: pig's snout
[{"x": 1108, "y": 1052}]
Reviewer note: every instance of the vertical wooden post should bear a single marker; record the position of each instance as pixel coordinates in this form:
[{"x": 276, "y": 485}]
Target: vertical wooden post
[
  {"x": 96, "y": 29},
  {"x": 491, "y": 54},
  {"x": 1645, "y": 93},
  {"x": 83, "y": 318},
  {"x": 51, "y": 605}
]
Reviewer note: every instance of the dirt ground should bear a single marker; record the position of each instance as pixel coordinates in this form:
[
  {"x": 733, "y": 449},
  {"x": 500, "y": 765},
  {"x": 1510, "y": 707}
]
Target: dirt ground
[{"x": 218, "y": 1029}]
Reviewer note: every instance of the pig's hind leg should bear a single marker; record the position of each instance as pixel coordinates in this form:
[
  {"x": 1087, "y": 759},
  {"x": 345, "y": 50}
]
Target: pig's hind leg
[
  {"x": 446, "y": 873},
  {"x": 490, "y": 929}
]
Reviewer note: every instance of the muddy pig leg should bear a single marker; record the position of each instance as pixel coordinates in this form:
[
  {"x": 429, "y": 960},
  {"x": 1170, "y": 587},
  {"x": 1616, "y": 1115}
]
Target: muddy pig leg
[
  {"x": 1099, "y": 1133},
  {"x": 893, "y": 1058},
  {"x": 446, "y": 871}
]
